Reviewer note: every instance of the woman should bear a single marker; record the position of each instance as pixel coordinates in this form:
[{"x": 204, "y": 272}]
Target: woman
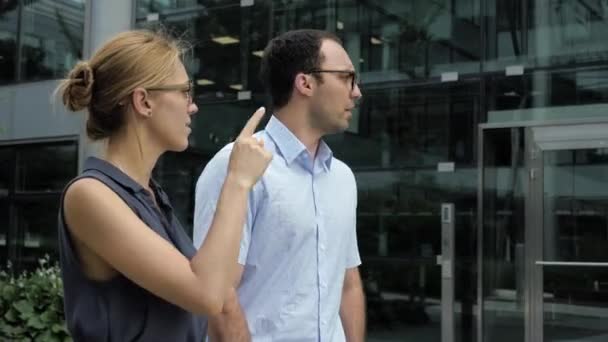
[{"x": 130, "y": 272}]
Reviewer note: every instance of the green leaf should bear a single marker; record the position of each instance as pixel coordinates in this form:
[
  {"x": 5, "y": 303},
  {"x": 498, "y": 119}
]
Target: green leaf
[
  {"x": 8, "y": 292},
  {"x": 24, "y": 307},
  {"x": 48, "y": 316},
  {"x": 11, "y": 316},
  {"x": 35, "y": 322},
  {"x": 47, "y": 336},
  {"x": 31, "y": 305}
]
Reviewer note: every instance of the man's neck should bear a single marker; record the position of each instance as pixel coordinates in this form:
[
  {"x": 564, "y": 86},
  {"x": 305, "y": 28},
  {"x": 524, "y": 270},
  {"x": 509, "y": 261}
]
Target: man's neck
[{"x": 296, "y": 120}]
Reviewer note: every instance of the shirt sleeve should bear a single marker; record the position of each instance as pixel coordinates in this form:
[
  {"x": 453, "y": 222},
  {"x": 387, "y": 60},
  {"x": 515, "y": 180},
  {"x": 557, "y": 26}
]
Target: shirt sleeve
[
  {"x": 353, "y": 259},
  {"x": 208, "y": 189}
]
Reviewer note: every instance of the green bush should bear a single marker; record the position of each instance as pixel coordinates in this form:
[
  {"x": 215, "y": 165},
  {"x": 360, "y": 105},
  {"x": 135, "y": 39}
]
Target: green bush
[{"x": 31, "y": 305}]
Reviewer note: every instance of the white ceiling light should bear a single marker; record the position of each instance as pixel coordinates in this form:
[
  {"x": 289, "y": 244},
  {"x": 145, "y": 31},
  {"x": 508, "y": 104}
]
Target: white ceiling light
[
  {"x": 204, "y": 82},
  {"x": 225, "y": 40},
  {"x": 375, "y": 41}
]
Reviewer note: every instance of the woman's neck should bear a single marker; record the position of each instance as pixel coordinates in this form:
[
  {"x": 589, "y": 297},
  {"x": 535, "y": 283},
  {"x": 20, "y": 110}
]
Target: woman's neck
[{"x": 133, "y": 157}]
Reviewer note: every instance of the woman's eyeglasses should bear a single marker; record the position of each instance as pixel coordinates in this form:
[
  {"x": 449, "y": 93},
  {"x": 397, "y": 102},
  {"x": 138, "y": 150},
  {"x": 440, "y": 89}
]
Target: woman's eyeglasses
[{"x": 187, "y": 88}]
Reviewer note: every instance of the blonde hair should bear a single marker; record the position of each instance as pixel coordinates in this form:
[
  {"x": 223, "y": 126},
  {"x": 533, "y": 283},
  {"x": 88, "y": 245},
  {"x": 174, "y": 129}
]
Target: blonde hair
[{"x": 137, "y": 58}]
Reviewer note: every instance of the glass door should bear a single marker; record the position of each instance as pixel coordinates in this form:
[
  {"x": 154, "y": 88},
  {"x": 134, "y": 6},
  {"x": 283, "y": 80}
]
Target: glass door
[
  {"x": 502, "y": 239},
  {"x": 569, "y": 233},
  {"x": 543, "y": 242}
]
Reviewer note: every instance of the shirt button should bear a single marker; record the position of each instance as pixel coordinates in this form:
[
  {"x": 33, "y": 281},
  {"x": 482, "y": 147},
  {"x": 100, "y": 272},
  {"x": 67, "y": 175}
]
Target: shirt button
[
  {"x": 322, "y": 248},
  {"x": 324, "y": 322}
]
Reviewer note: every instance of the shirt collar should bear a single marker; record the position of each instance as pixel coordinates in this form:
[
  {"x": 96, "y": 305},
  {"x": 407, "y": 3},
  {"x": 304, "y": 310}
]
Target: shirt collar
[
  {"x": 94, "y": 163},
  {"x": 325, "y": 155},
  {"x": 291, "y": 147}
]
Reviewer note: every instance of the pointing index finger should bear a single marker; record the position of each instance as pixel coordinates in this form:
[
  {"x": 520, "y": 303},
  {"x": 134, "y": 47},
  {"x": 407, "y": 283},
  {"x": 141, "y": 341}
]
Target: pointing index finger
[{"x": 253, "y": 123}]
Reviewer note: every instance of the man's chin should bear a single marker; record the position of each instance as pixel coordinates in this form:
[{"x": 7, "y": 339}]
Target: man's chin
[{"x": 337, "y": 129}]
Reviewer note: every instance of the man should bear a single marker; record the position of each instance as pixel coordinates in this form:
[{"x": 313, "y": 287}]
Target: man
[{"x": 298, "y": 279}]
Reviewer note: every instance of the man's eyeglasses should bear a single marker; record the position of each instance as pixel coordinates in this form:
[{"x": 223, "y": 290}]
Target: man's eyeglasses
[
  {"x": 350, "y": 73},
  {"x": 186, "y": 88}
]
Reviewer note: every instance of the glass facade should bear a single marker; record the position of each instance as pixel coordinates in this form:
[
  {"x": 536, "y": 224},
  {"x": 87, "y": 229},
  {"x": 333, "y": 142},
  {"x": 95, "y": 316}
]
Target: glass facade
[
  {"x": 454, "y": 93},
  {"x": 39, "y": 39},
  {"x": 30, "y": 191},
  {"x": 431, "y": 73}
]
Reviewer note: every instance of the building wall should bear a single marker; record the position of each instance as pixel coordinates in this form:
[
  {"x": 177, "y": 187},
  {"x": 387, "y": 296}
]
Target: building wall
[
  {"x": 26, "y": 112},
  {"x": 42, "y": 145}
]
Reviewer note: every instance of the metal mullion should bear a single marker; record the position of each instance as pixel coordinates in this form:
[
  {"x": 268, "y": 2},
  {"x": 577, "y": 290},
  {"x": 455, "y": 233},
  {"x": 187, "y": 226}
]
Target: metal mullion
[
  {"x": 480, "y": 227},
  {"x": 534, "y": 241},
  {"x": 572, "y": 264}
]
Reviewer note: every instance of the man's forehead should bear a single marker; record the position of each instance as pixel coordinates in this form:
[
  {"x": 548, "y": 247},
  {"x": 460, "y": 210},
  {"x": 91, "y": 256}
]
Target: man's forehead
[{"x": 334, "y": 54}]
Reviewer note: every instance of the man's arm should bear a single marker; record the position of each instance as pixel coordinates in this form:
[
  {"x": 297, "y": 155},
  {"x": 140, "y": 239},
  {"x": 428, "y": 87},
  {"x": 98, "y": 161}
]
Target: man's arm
[
  {"x": 352, "y": 307},
  {"x": 230, "y": 325}
]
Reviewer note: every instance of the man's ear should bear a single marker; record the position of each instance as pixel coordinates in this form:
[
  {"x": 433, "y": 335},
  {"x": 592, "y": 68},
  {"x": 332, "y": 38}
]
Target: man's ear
[
  {"x": 141, "y": 102},
  {"x": 304, "y": 84}
]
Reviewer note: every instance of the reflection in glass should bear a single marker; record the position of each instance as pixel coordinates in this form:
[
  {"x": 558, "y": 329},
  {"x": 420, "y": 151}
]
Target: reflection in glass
[
  {"x": 566, "y": 93},
  {"x": 177, "y": 173},
  {"x": 45, "y": 168},
  {"x": 5, "y": 171},
  {"x": 545, "y": 33},
  {"x": 36, "y": 223},
  {"x": 575, "y": 230},
  {"x": 37, "y": 175},
  {"x": 228, "y": 42},
  {"x": 504, "y": 186},
  {"x": 52, "y": 38},
  {"x": 405, "y": 40},
  {"x": 399, "y": 234},
  {"x": 412, "y": 127},
  {"x": 4, "y": 231},
  {"x": 8, "y": 40}
]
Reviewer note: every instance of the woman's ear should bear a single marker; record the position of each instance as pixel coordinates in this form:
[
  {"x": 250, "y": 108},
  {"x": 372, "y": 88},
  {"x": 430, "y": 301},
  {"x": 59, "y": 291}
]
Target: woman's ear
[{"x": 141, "y": 102}]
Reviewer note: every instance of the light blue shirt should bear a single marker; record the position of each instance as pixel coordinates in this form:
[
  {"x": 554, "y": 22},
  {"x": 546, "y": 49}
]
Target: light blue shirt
[{"x": 299, "y": 239}]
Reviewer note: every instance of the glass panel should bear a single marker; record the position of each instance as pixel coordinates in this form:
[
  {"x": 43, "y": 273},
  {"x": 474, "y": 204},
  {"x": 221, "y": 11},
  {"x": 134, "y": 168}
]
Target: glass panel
[
  {"x": 228, "y": 46},
  {"x": 412, "y": 127},
  {"x": 405, "y": 40},
  {"x": 221, "y": 46},
  {"x": 4, "y": 232},
  {"x": 575, "y": 230},
  {"x": 291, "y": 15},
  {"x": 546, "y": 33},
  {"x": 399, "y": 234},
  {"x": 5, "y": 171},
  {"x": 399, "y": 238},
  {"x": 571, "y": 93},
  {"x": 8, "y": 40},
  {"x": 504, "y": 186},
  {"x": 52, "y": 38},
  {"x": 45, "y": 168},
  {"x": 37, "y": 228},
  {"x": 167, "y": 8},
  {"x": 177, "y": 173},
  {"x": 219, "y": 124}
]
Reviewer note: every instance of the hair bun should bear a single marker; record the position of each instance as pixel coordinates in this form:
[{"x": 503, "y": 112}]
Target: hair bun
[{"x": 78, "y": 90}]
